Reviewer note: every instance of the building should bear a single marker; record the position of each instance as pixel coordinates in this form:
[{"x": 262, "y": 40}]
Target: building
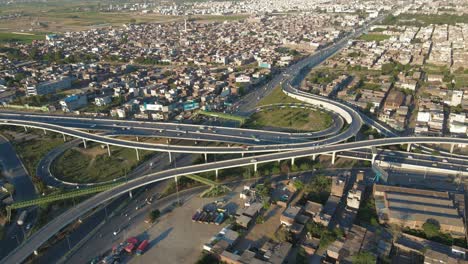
[
  {"x": 412, "y": 208},
  {"x": 415, "y": 248},
  {"x": 289, "y": 215},
  {"x": 73, "y": 102},
  {"x": 49, "y": 86},
  {"x": 102, "y": 101},
  {"x": 313, "y": 209},
  {"x": 394, "y": 100},
  {"x": 338, "y": 185}
]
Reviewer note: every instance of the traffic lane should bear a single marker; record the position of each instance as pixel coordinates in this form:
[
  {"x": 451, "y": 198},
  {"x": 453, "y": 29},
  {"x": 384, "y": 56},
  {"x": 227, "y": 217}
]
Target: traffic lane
[
  {"x": 91, "y": 123},
  {"x": 104, "y": 239},
  {"x": 12, "y": 169},
  {"x": 424, "y": 162},
  {"x": 188, "y": 149},
  {"x": 415, "y": 156}
]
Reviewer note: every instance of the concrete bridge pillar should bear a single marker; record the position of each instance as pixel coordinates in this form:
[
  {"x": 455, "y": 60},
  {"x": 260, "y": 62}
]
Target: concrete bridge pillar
[
  {"x": 137, "y": 154},
  {"x": 170, "y": 157},
  {"x": 408, "y": 148},
  {"x": 313, "y": 157},
  {"x": 452, "y": 146},
  {"x": 242, "y": 154},
  {"x": 84, "y": 143},
  {"x": 108, "y": 150},
  {"x": 25, "y": 129},
  {"x": 137, "y": 139},
  {"x": 216, "y": 174},
  {"x": 45, "y": 132},
  {"x": 206, "y": 157},
  {"x": 373, "y": 157},
  {"x": 64, "y": 138},
  {"x": 168, "y": 141},
  {"x": 292, "y": 161},
  {"x": 130, "y": 194},
  {"x": 333, "y": 157},
  {"x": 255, "y": 167}
]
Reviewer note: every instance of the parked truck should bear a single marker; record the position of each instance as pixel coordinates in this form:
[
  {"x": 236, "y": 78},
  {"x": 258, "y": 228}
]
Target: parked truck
[{"x": 142, "y": 247}]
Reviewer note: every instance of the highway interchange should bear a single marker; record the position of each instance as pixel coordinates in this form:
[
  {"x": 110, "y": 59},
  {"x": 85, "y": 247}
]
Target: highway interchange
[{"x": 294, "y": 145}]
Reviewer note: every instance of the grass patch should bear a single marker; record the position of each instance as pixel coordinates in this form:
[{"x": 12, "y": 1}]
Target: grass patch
[
  {"x": 94, "y": 164},
  {"x": 277, "y": 96},
  {"x": 297, "y": 119},
  {"x": 374, "y": 37},
  {"x": 6, "y": 37}
]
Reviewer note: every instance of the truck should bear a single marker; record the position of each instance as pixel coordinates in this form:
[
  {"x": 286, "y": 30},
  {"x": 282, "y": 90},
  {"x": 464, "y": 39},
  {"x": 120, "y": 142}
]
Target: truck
[
  {"x": 142, "y": 247},
  {"x": 22, "y": 218},
  {"x": 131, "y": 242}
]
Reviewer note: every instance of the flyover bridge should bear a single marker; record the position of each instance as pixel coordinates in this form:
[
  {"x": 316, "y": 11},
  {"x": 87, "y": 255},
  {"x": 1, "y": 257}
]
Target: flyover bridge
[{"x": 46, "y": 232}]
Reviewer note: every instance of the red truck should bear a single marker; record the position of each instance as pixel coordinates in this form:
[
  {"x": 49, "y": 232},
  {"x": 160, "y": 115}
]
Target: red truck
[
  {"x": 131, "y": 242},
  {"x": 142, "y": 247}
]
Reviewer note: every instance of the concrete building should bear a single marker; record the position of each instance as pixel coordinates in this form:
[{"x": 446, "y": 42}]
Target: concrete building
[
  {"x": 102, "y": 101},
  {"x": 289, "y": 215},
  {"x": 412, "y": 208},
  {"x": 48, "y": 87},
  {"x": 73, "y": 102}
]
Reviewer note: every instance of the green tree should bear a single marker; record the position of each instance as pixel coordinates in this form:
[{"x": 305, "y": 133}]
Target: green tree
[
  {"x": 299, "y": 185},
  {"x": 153, "y": 215},
  {"x": 431, "y": 228},
  {"x": 260, "y": 219}
]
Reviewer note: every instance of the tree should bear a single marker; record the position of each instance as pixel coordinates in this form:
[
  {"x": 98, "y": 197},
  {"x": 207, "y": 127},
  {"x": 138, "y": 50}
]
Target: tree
[
  {"x": 282, "y": 235},
  {"x": 364, "y": 257},
  {"x": 299, "y": 185},
  {"x": 153, "y": 215},
  {"x": 260, "y": 219},
  {"x": 431, "y": 228}
]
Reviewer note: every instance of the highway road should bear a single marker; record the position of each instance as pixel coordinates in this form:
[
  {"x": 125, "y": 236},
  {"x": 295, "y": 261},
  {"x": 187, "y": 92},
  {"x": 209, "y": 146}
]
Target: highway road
[
  {"x": 42, "y": 235},
  {"x": 13, "y": 170},
  {"x": 168, "y": 129},
  {"x": 353, "y": 129}
]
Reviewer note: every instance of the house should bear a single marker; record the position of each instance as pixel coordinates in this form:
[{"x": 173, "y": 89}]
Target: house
[
  {"x": 289, "y": 215},
  {"x": 313, "y": 209}
]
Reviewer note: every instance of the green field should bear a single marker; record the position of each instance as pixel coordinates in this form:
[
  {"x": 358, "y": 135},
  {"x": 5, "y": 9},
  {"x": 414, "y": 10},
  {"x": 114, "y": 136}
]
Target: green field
[
  {"x": 277, "y": 97},
  {"x": 374, "y": 37},
  {"x": 94, "y": 165},
  {"x": 32, "y": 151},
  {"x": 290, "y": 119},
  {"x": 6, "y": 37}
]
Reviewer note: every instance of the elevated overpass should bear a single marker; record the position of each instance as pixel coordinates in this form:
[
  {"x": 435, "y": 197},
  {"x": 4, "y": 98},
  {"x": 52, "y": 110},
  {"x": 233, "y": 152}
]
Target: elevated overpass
[{"x": 46, "y": 232}]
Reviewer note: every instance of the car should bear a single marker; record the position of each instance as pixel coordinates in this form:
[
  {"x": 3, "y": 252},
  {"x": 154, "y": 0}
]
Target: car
[
  {"x": 410, "y": 157},
  {"x": 253, "y": 160},
  {"x": 93, "y": 125},
  {"x": 445, "y": 160},
  {"x": 28, "y": 226}
]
